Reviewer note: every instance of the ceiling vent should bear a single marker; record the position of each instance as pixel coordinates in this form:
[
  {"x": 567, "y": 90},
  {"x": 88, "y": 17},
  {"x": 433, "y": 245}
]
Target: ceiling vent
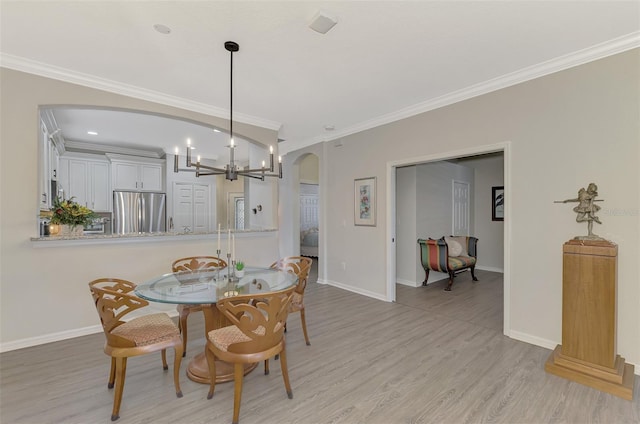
[{"x": 322, "y": 22}]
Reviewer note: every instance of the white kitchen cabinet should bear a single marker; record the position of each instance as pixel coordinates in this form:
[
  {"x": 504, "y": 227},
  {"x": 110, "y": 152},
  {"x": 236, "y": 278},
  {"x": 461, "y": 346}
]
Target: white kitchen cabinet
[
  {"x": 87, "y": 181},
  {"x": 141, "y": 176}
]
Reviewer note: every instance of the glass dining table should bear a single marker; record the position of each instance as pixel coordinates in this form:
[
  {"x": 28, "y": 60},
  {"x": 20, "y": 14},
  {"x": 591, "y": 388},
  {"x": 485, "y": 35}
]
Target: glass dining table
[{"x": 205, "y": 287}]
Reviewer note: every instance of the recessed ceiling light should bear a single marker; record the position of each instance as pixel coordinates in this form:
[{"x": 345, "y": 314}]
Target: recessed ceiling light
[
  {"x": 329, "y": 127},
  {"x": 216, "y": 130},
  {"x": 162, "y": 29},
  {"x": 92, "y": 133}
]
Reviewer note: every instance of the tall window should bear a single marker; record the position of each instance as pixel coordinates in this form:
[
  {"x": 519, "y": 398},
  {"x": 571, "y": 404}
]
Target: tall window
[{"x": 239, "y": 213}]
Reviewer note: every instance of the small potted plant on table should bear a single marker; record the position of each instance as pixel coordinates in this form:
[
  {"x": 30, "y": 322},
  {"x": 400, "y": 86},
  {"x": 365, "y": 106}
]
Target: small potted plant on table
[{"x": 239, "y": 269}]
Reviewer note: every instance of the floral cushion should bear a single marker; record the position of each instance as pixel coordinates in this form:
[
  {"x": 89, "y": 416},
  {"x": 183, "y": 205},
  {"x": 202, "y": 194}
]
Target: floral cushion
[
  {"x": 224, "y": 337},
  {"x": 148, "y": 329}
]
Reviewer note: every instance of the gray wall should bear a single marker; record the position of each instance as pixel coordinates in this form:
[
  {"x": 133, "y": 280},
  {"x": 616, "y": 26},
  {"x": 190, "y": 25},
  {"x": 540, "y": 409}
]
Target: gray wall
[
  {"x": 489, "y": 172},
  {"x": 564, "y": 131}
]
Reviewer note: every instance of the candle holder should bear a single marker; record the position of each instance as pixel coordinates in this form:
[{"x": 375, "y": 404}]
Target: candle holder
[
  {"x": 231, "y": 278},
  {"x": 218, "y": 267}
]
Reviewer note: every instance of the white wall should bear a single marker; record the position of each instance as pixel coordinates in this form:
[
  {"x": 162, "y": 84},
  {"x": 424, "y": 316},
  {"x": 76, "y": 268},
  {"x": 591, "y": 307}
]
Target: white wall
[
  {"x": 565, "y": 130},
  {"x": 43, "y": 291}
]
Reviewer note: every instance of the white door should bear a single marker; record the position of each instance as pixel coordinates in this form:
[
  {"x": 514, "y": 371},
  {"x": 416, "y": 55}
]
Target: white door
[
  {"x": 183, "y": 207},
  {"x": 191, "y": 207},
  {"x": 461, "y": 208},
  {"x": 200, "y": 207}
]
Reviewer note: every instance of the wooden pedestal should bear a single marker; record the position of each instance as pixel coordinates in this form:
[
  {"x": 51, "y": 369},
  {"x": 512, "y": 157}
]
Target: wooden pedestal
[{"x": 587, "y": 354}]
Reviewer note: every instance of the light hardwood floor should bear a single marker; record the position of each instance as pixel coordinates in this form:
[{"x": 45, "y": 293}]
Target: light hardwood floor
[{"x": 432, "y": 357}]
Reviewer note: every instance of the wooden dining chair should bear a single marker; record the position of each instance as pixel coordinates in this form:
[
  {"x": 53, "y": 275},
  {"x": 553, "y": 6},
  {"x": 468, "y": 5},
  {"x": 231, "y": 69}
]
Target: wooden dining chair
[
  {"x": 192, "y": 263},
  {"x": 300, "y": 266},
  {"x": 114, "y": 299},
  {"x": 256, "y": 334}
]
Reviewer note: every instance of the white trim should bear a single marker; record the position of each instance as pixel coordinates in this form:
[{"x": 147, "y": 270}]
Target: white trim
[
  {"x": 78, "y": 332},
  {"x": 408, "y": 282},
  {"x": 534, "y": 340},
  {"x": 49, "y": 338},
  {"x": 38, "y": 68},
  {"x": 490, "y": 268},
  {"x": 580, "y": 57},
  {"x": 356, "y": 290},
  {"x": 391, "y": 209}
]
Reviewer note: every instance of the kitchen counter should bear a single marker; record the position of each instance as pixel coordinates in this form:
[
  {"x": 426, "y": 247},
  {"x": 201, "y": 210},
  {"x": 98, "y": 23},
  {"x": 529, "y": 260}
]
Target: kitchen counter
[{"x": 51, "y": 241}]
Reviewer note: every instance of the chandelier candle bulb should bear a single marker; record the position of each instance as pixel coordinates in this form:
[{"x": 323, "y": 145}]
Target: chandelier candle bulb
[
  {"x": 188, "y": 152},
  {"x": 270, "y": 158}
]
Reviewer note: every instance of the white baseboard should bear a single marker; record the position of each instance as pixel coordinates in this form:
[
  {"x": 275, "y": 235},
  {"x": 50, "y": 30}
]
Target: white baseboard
[
  {"x": 49, "y": 338},
  {"x": 408, "y": 282},
  {"x": 534, "y": 340},
  {"x": 357, "y": 290},
  {"x": 490, "y": 268},
  {"x": 64, "y": 335}
]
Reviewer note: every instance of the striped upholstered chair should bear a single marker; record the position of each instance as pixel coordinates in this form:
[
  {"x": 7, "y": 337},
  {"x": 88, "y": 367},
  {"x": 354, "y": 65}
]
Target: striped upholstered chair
[{"x": 434, "y": 255}]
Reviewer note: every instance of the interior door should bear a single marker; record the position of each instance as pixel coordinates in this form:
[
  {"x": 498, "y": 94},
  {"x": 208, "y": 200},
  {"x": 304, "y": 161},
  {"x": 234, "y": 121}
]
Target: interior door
[
  {"x": 201, "y": 207},
  {"x": 461, "y": 208},
  {"x": 183, "y": 207}
]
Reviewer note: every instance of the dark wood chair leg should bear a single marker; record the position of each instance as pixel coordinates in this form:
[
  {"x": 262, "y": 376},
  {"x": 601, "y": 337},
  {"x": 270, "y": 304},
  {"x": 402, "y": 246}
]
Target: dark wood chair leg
[
  {"x": 426, "y": 277},
  {"x": 473, "y": 274},
  {"x": 451, "y": 276}
]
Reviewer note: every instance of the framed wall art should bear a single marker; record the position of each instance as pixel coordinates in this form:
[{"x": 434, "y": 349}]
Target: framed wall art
[
  {"x": 365, "y": 201},
  {"x": 497, "y": 202}
]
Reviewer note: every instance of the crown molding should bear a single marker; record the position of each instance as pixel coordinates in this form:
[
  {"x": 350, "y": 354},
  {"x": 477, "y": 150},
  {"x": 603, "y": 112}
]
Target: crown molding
[
  {"x": 580, "y": 57},
  {"x": 98, "y": 148},
  {"x": 49, "y": 71}
]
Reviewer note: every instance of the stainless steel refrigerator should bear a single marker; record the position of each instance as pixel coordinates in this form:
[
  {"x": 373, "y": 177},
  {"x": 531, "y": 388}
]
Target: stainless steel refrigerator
[{"x": 138, "y": 212}]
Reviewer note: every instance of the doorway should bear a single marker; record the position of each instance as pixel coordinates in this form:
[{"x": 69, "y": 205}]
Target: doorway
[
  {"x": 392, "y": 242},
  {"x": 309, "y": 201}
]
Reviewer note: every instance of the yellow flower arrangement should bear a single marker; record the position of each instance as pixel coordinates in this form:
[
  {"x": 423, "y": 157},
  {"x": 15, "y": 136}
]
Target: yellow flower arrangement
[{"x": 68, "y": 212}]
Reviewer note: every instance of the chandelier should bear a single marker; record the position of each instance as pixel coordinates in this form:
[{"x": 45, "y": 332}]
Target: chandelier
[{"x": 231, "y": 171}]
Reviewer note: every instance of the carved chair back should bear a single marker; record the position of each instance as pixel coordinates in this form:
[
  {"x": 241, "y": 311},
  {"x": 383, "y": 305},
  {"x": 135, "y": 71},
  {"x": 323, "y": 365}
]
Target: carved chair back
[
  {"x": 261, "y": 319},
  {"x": 194, "y": 263},
  {"x": 114, "y": 299}
]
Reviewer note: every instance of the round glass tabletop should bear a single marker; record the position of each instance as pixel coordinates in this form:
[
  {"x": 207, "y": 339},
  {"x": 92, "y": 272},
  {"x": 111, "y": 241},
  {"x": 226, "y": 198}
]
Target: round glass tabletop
[{"x": 209, "y": 285}]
